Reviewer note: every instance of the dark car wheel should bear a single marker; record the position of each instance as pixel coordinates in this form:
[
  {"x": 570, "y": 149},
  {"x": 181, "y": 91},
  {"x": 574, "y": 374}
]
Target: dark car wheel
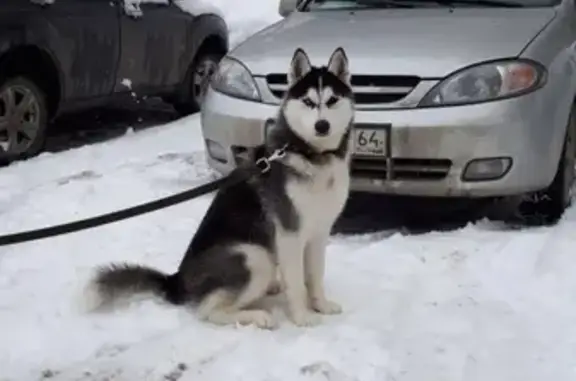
[
  {"x": 23, "y": 119},
  {"x": 548, "y": 205},
  {"x": 196, "y": 83}
]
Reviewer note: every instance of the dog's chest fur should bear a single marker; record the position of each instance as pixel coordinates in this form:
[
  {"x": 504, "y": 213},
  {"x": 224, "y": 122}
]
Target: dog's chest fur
[{"x": 320, "y": 194}]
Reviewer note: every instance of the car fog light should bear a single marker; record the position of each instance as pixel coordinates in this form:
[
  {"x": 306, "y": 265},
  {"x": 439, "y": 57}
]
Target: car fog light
[
  {"x": 486, "y": 169},
  {"x": 216, "y": 151}
]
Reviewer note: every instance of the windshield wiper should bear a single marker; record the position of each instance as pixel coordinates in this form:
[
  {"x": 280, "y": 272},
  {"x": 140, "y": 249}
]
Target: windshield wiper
[
  {"x": 488, "y": 3},
  {"x": 384, "y": 3}
]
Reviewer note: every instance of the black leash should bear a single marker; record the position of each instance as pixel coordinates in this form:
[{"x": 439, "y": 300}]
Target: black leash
[
  {"x": 261, "y": 166},
  {"x": 88, "y": 223}
]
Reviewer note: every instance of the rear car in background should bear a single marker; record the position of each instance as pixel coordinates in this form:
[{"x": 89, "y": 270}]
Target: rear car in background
[
  {"x": 463, "y": 99},
  {"x": 71, "y": 55}
]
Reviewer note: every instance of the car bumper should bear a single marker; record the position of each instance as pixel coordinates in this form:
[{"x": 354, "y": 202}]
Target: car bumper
[{"x": 431, "y": 148}]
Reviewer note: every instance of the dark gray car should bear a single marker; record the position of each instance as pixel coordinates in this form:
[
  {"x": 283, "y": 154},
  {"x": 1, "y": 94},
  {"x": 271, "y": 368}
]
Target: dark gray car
[{"x": 69, "y": 55}]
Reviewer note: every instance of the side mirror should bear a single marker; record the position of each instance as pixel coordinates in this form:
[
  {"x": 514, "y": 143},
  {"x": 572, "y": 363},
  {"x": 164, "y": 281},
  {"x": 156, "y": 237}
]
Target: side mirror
[{"x": 287, "y": 6}]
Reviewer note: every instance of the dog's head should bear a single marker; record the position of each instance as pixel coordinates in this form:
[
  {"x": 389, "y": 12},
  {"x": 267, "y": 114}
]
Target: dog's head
[{"x": 319, "y": 105}]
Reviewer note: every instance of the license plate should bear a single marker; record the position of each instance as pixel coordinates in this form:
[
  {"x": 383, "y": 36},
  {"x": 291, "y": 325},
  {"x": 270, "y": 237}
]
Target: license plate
[{"x": 371, "y": 141}]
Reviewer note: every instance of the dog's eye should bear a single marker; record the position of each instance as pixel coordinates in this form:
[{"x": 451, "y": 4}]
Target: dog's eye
[
  {"x": 308, "y": 102},
  {"x": 331, "y": 101}
]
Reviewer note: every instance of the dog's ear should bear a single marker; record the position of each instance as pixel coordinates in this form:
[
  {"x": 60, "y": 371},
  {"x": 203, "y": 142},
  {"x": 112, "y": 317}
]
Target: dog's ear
[
  {"x": 299, "y": 67},
  {"x": 338, "y": 65}
]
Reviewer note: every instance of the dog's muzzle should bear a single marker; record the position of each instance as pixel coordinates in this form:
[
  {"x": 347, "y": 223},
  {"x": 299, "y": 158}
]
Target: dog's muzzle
[{"x": 322, "y": 127}]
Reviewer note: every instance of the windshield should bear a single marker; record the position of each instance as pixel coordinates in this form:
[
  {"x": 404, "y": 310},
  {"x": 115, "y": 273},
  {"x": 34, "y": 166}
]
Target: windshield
[{"x": 320, "y": 5}]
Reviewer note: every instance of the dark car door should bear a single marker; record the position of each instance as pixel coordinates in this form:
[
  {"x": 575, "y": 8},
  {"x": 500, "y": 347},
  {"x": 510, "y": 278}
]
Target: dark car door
[
  {"x": 84, "y": 36},
  {"x": 153, "y": 42},
  {"x": 13, "y": 17}
]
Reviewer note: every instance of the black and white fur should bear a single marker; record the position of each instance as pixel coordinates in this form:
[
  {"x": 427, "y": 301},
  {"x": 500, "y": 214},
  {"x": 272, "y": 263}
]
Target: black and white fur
[{"x": 270, "y": 232}]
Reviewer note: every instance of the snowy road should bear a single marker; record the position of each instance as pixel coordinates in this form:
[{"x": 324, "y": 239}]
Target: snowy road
[
  {"x": 478, "y": 303},
  {"x": 475, "y": 304}
]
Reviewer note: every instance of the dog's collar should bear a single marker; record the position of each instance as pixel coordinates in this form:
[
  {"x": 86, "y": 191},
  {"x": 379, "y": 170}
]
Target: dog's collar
[
  {"x": 300, "y": 148},
  {"x": 310, "y": 154},
  {"x": 264, "y": 162}
]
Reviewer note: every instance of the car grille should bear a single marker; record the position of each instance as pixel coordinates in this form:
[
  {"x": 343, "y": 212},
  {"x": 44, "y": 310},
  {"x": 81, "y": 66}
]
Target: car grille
[
  {"x": 368, "y": 89},
  {"x": 400, "y": 168}
]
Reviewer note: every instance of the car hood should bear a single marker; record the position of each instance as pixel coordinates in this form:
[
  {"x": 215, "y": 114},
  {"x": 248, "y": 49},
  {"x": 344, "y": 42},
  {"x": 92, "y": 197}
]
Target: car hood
[{"x": 430, "y": 43}]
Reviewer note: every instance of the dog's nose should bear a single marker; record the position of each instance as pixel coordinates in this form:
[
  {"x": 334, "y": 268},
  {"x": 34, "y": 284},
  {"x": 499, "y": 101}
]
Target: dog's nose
[{"x": 322, "y": 127}]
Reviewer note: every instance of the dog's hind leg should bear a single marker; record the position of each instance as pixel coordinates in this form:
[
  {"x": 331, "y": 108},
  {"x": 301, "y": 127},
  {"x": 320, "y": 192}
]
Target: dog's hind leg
[
  {"x": 225, "y": 306},
  {"x": 276, "y": 285}
]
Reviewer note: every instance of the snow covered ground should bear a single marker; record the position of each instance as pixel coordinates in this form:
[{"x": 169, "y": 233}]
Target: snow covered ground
[{"x": 480, "y": 303}]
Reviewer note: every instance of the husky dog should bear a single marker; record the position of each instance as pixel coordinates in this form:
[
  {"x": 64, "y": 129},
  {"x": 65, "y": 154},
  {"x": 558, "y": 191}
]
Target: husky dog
[{"x": 267, "y": 233}]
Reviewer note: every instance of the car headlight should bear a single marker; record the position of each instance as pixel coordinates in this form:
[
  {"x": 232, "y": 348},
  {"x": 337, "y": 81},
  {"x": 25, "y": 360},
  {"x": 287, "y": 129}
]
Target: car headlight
[
  {"x": 234, "y": 79},
  {"x": 486, "y": 82}
]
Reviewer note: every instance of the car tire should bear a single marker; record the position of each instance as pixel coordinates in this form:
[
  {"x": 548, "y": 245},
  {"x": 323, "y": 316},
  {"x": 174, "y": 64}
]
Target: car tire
[
  {"x": 196, "y": 83},
  {"x": 547, "y": 206},
  {"x": 22, "y": 136}
]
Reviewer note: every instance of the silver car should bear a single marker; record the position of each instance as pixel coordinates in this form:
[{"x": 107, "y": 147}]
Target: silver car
[{"x": 473, "y": 98}]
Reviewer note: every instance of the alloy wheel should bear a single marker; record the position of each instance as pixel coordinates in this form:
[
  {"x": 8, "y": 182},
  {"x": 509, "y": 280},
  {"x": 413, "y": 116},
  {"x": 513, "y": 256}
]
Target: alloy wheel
[{"x": 20, "y": 119}]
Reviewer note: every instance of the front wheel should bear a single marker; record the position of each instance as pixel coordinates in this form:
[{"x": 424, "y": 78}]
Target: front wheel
[
  {"x": 196, "y": 83},
  {"x": 547, "y": 206},
  {"x": 23, "y": 119}
]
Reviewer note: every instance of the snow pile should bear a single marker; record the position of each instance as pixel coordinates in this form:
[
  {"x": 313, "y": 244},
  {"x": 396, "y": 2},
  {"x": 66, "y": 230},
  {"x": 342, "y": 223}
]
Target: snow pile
[
  {"x": 241, "y": 23},
  {"x": 199, "y": 7},
  {"x": 132, "y": 7},
  {"x": 127, "y": 82}
]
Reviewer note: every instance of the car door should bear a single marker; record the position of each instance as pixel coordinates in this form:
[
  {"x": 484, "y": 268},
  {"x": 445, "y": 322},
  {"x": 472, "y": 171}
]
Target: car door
[
  {"x": 13, "y": 18},
  {"x": 84, "y": 36},
  {"x": 153, "y": 40}
]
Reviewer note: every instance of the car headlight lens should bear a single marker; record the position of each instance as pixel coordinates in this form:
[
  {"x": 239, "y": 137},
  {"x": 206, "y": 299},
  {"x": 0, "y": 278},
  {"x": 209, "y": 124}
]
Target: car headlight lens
[
  {"x": 234, "y": 79},
  {"x": 486, "y": 82}
]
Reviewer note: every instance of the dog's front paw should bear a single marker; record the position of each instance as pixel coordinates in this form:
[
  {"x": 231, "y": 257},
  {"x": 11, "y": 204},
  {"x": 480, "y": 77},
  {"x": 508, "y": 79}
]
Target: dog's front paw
[
  {"x": 259, "y": 318},
  {"x": 326, "y": 307},
  {"x": 306, "y": 319}
]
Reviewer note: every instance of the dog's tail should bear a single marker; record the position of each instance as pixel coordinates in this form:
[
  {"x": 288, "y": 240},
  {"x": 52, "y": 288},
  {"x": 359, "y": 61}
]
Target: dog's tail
[{"x": 119, "y": 281}]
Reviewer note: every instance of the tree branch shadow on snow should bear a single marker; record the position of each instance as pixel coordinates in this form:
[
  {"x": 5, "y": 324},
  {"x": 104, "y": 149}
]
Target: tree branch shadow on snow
[{"x": 371, "y": 213}]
